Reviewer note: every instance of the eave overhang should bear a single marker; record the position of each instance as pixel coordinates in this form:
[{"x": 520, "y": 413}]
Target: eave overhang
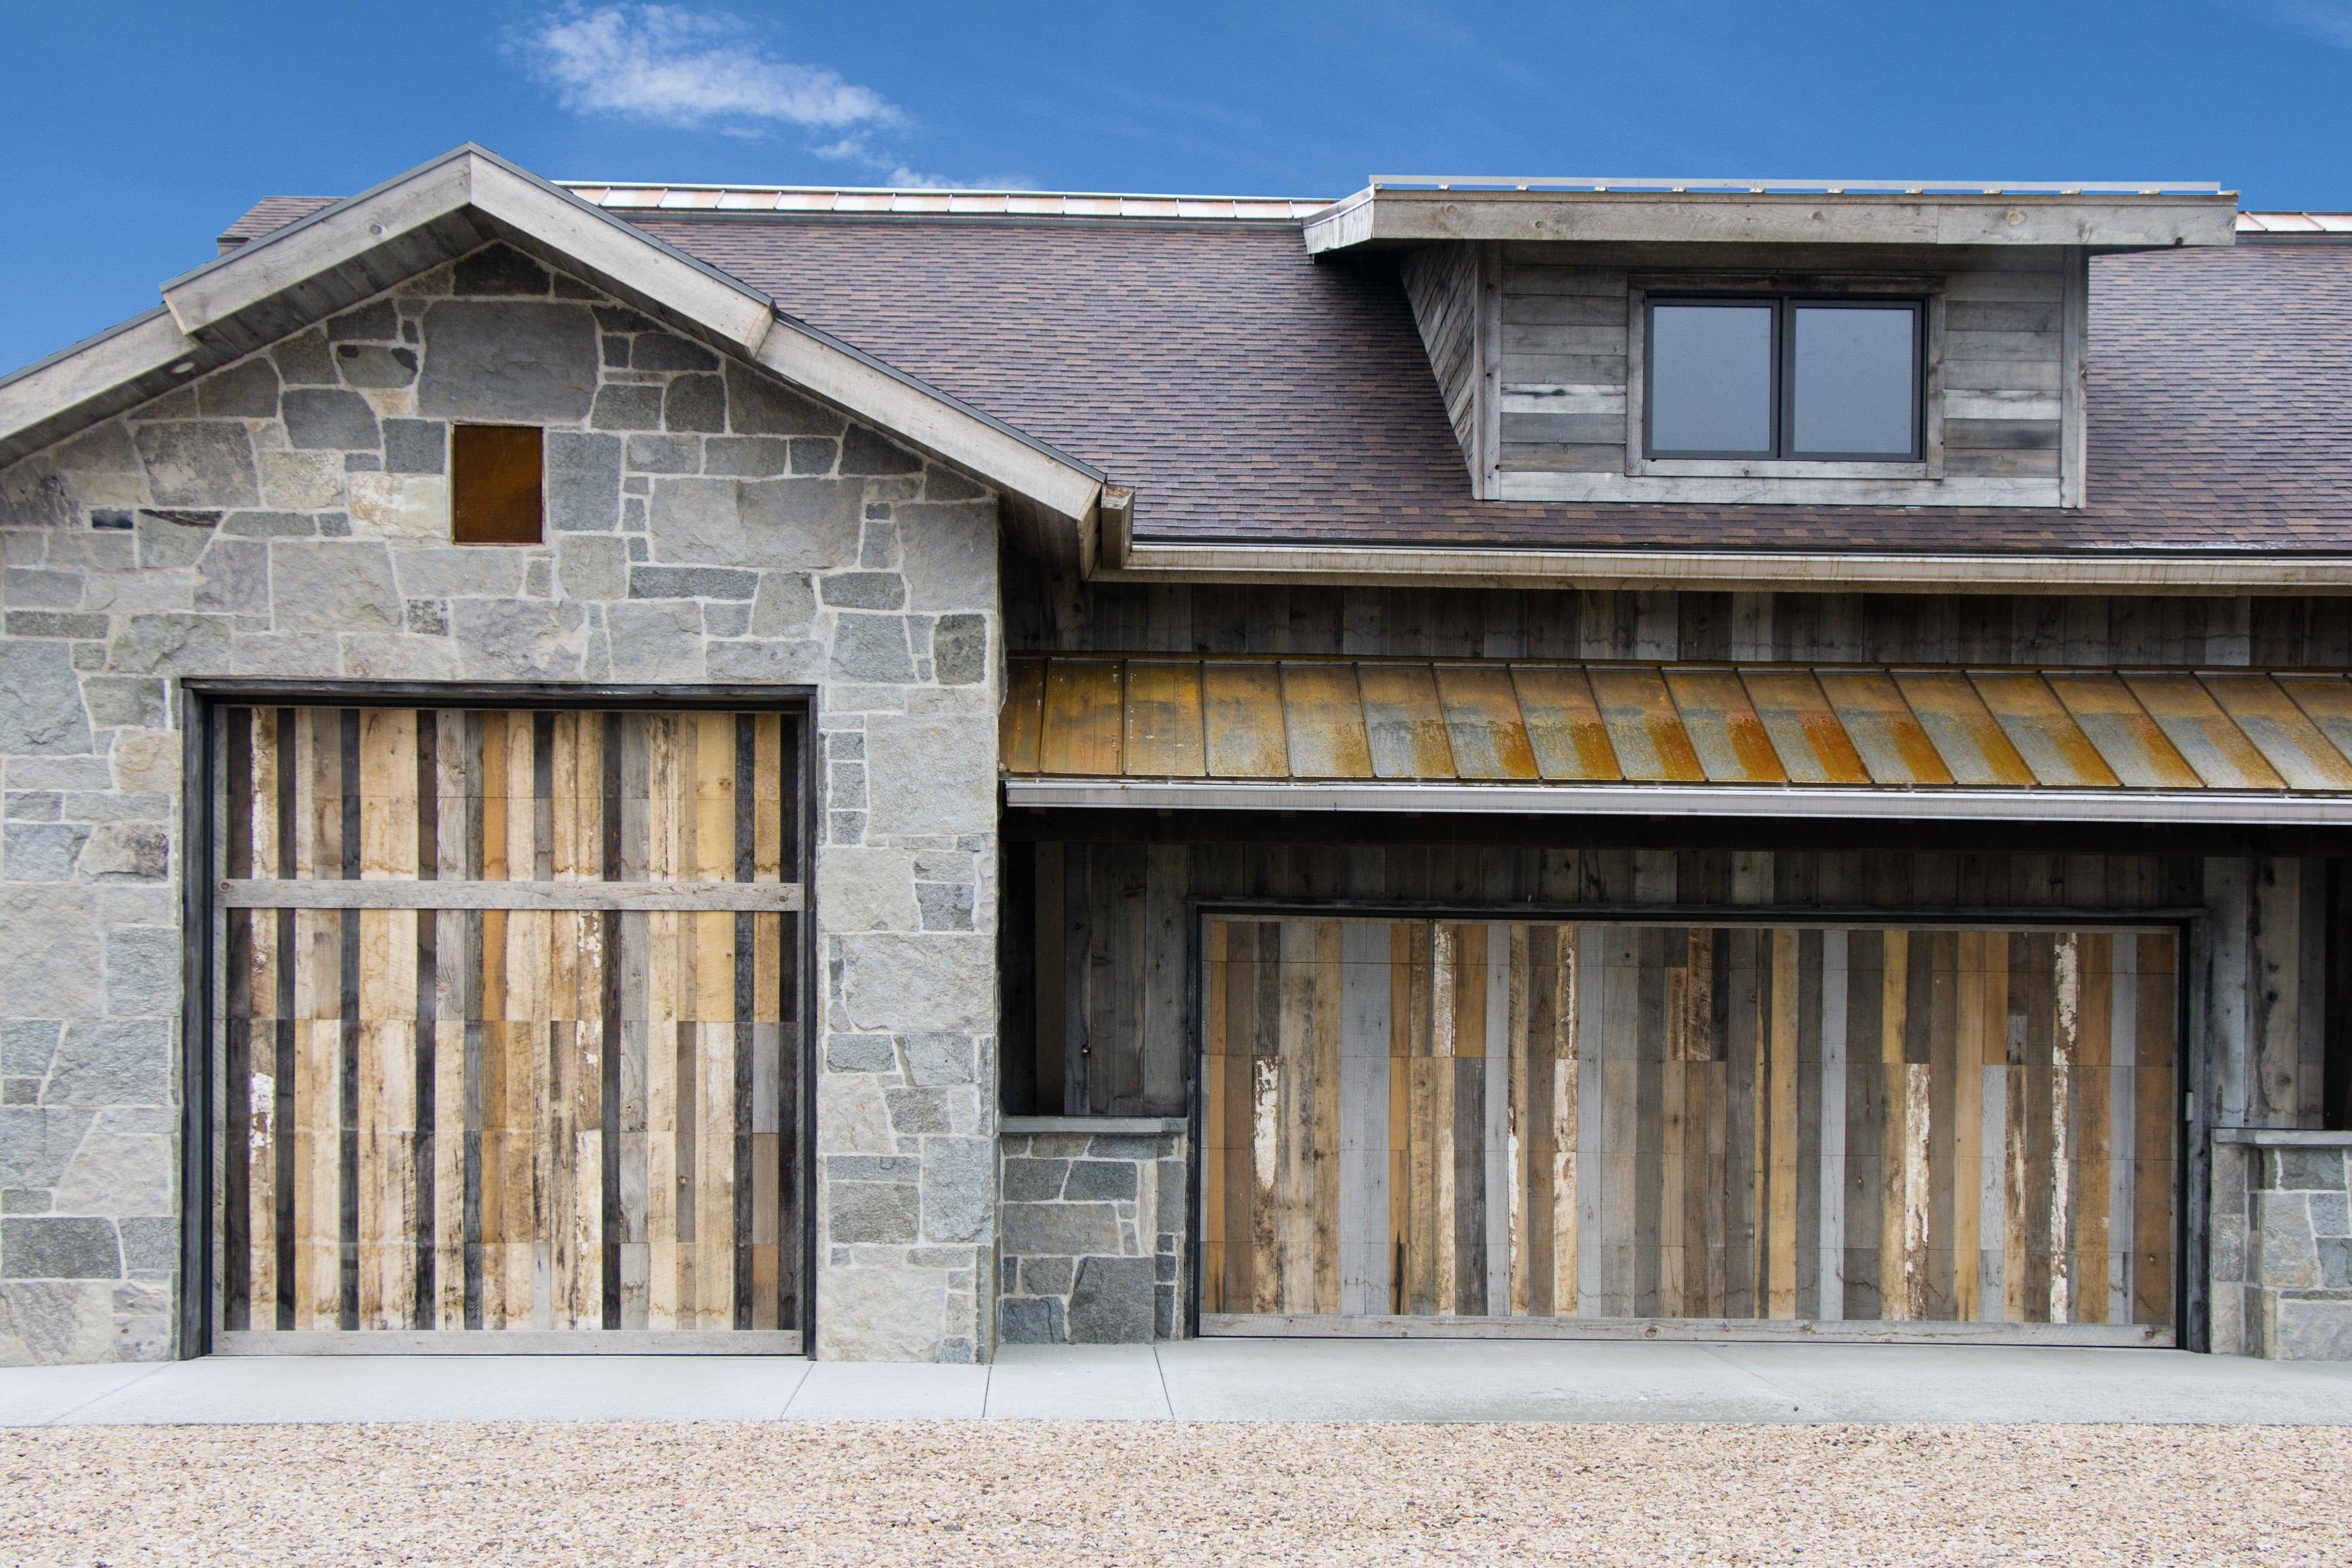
[
  {"x": 285, "y": 281},
  {"x": 1730, "y": 571},
  {"x": 1399, "y": 212}
]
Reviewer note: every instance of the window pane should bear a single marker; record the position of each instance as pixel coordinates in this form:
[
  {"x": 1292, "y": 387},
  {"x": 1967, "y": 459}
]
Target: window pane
[
  {"x": 1853, "y": 380},
  {"x": 1711, "y": 379}
]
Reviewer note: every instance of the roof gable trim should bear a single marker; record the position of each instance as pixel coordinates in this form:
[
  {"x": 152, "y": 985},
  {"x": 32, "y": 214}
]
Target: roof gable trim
[{"x": 211, "y": 315}]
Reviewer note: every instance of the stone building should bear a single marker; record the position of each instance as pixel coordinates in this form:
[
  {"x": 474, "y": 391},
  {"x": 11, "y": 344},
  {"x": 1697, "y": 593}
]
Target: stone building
[{"x": 874, "y": 773}]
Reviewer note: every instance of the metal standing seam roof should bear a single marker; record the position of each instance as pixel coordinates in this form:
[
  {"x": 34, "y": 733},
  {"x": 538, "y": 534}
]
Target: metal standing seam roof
[{"x": 1253, "y": 719}]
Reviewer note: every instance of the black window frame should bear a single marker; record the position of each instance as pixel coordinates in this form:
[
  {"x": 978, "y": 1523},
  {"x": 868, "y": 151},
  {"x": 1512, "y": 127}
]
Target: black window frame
[{"x": 1783, "y": 377}]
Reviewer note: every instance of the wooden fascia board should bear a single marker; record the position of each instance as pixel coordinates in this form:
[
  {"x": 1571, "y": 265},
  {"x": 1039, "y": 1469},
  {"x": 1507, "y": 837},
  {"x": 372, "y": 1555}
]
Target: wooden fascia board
[
  {"x": 270, "y": 266},
  {"x": 1784, "y": 571},
  {"x": 608, "y": 249},
  {"x": 957, "y": 435},
  {"x": 138, "y": 348},
  {"x": 2126, "y": 223},
  {"x": 603, "y": 245},
  {"x": 599, "y": 242}
]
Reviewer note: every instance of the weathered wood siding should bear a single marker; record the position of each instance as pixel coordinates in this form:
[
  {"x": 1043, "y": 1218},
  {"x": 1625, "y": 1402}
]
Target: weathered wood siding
[
  {"x": 1742, "y": 1123},
  {"x": 1441, "y": 281},
  {"x": 1118, "y": 1043},
  {"x": 1998, "y": 399},
  {"x": 2148, "y": 631},
  {"x": 510, "y": 1118}
]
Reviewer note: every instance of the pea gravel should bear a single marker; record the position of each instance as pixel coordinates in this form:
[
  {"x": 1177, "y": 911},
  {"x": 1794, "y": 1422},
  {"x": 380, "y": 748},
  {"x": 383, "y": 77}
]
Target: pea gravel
[{"x": 1103, "y": 1494}]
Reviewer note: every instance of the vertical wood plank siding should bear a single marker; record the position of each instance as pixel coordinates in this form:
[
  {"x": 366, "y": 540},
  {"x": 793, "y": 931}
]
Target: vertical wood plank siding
[
  {"x": 510, "y": 1119},
  {"x": 1617, "y": 1121}
]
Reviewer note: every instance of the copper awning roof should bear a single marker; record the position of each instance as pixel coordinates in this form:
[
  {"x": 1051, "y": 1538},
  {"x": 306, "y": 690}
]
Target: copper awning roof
[{"x": 1857, "y": 729}]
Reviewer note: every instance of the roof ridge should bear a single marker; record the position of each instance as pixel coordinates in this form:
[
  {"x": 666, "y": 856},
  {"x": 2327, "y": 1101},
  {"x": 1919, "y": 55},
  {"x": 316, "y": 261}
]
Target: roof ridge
[{"x": 679, "y": 196}]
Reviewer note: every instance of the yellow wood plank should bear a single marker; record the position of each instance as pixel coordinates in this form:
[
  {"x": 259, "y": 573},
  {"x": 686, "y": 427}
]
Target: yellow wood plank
[
  {"x": 2093, "y": 1088},
  {"x": 1782, "y": 1248},
  {"x": 2065, "y": 1046},
  {"x": 1566, "y": 1048},
  {"x": 1516, "y": 1132},
  {"x": 1895, "y": 1143}
]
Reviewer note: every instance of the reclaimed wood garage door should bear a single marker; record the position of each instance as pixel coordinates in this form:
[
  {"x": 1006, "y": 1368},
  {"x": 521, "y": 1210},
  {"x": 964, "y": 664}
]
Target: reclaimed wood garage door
[
  {"x": 508, "y": 1038},
  {"x": 1415, "y": 1127}
]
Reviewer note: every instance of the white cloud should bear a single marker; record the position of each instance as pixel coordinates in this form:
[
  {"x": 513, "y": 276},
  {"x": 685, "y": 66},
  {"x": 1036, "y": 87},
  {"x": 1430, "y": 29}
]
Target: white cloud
[
  {"x": 688, "y": 69},
  {"x": 2330, "y": 21}
]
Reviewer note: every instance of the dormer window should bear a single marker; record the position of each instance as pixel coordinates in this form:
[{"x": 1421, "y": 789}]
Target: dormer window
[{"x": 1784, "y": 378}]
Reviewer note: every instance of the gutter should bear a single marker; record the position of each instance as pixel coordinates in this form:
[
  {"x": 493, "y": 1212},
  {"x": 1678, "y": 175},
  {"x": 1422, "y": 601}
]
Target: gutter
[
  {"x": 2170, "y": 808},
  {"x": 1746, "y": 571}
]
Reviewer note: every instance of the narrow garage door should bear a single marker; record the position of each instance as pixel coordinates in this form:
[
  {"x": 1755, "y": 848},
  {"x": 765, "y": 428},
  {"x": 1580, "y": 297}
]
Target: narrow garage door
[
  {"x": 1618, "y": 1128},
  {"x": 508, "y": 1032}
]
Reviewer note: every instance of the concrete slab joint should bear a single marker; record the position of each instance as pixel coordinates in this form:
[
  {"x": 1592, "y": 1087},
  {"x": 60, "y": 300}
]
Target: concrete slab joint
[{"x": 287, "y": 517}]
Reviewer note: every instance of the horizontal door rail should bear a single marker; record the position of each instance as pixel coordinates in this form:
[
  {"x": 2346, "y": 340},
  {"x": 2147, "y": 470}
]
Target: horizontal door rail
[{"x": 701, "y": 898}]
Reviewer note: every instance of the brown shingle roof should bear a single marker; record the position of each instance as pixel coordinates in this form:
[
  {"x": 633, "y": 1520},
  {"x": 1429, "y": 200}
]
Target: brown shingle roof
[{"x": 1249, "y": 393}]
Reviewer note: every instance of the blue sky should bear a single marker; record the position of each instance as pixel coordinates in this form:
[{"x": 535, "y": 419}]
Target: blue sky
[{"x": 138, "y": 132}]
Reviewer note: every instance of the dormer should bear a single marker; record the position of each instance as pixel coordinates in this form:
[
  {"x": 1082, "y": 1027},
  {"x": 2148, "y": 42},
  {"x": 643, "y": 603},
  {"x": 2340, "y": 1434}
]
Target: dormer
[{"x": 1764, "y": 342}]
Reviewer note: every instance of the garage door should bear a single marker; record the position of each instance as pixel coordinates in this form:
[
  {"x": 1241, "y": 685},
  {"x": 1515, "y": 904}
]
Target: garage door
[
  {"x": 1523, "y": 1129},
  {"x": 508, "y": 1036}
]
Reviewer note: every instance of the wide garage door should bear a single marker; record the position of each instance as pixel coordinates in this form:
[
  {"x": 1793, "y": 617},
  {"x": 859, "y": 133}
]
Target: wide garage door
[
  {"x": 506, "y": 1032},
  {"x": 1622, "y": 1128}
]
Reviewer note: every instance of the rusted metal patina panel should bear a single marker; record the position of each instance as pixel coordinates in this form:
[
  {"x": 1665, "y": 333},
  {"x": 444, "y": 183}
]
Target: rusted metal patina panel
[
  {"x": 1324, "y": 712},
  {"x": 1481, "y": 721},
  {"x": 1082, "y": 717},
  {"x": 1405, "y": 723},
  {"x": 1723, "y": 726},
  {"x": 2204, "y": 735},
  {"x": 1163, "y": 719},
  {"x": 1804, "y": 728},
  {"x": 1644, "y": 730},
  {"x": 1564, "y": 726},
  {"x": 1022, "y": 723},
  {"x": 1242, "y": 716},
  {"x": 2260, "y": 709},
  {"x": 1883, "y": 730},
  {"x": 2042, "y": 729},
  {"x": 2128, "y": 740},
  {"x": 1966, "y": 735},
  {"x": 1166, "y": 717}
]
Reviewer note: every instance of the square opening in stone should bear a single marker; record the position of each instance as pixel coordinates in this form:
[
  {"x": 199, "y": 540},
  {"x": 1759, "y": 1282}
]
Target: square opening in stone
[{"x": 496, "y": 491}]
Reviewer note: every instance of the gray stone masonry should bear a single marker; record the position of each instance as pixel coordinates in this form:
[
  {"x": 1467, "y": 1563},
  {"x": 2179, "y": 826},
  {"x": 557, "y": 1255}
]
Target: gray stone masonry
[
  {"x": 289, "y": 515},
  {"x": 2282, "y": 1244},
  {"x": 1092, "y": 1229}
]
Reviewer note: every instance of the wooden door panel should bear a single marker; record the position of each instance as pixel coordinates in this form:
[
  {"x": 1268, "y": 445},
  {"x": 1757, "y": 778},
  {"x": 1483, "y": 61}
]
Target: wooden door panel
[
  {"x": 510, "y": 1033},
  {"x": 1793, "y": 1128}
]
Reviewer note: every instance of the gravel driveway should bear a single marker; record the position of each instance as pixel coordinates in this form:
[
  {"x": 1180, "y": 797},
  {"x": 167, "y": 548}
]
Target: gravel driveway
[{"x": 1103, "y": 1494}]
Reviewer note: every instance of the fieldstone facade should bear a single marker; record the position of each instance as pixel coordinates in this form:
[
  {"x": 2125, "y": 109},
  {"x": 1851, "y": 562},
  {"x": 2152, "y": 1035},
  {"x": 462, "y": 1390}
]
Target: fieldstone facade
[
  {"x": 2281, "y": 1248},
  {"x": 1093, "y": 1230},
  {"x": 288, "y": 516}
]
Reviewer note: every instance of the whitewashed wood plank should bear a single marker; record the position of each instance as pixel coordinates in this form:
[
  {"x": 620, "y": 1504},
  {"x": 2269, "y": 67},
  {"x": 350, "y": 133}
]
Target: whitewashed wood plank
[{"x": 1365, "y": 1264}]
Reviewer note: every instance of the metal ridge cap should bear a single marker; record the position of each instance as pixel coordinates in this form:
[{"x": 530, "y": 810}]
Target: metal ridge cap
[{"x": 1572, "y": 184}]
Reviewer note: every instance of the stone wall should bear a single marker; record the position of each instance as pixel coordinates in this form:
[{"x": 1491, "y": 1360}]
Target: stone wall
[
  {"x": 288, "y": 516},
  {"x": 2282, "y": 1244},
  {"x": 1093, "y": 1230}
]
